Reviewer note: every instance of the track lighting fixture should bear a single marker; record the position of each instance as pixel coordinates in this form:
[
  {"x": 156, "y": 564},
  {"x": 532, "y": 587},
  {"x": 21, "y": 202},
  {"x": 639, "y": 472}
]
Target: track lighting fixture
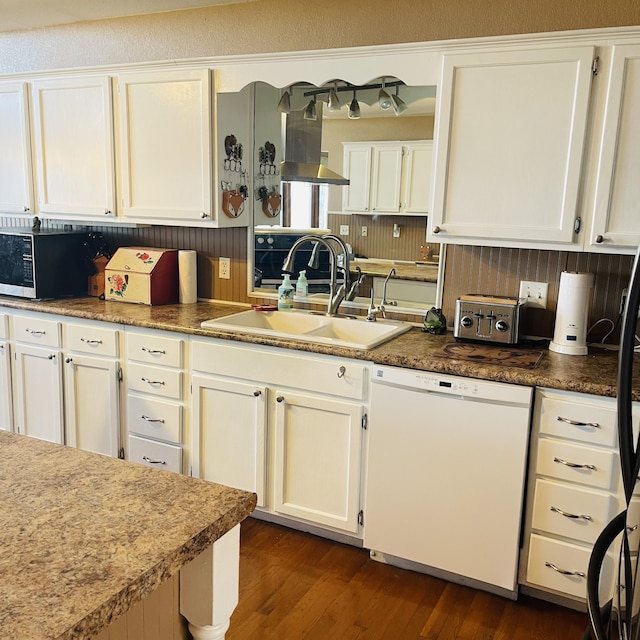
[
  {"x": 333, "y": 103},
  {"x": 384, "y": 100},
  {"x": 284, "y": 106},
  {"x": 399, "y": 105},
  {"x": 354, "y": 108},
  {"x": 310, "y": 111}
]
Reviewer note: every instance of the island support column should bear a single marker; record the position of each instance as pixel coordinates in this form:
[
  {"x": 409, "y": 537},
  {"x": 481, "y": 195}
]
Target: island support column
[{"x": 209, "y": 587}]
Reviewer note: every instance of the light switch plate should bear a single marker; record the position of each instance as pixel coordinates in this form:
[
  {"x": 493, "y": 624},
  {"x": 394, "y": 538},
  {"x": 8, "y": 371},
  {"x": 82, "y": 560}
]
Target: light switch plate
[
  {"x": 535, "y": 293},
  {"x": 344, "y": 229},
  {"x": 364, "y": 232}
]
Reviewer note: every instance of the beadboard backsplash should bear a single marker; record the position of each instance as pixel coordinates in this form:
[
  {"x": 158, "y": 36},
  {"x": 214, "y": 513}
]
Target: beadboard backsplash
[
  {"x": 499, "y": 272},
  {"x": 467, "y": 270}
]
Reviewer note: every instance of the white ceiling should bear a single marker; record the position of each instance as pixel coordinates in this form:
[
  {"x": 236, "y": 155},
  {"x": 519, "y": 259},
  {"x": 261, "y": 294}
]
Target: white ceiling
[{"x": 17, "y": 15}]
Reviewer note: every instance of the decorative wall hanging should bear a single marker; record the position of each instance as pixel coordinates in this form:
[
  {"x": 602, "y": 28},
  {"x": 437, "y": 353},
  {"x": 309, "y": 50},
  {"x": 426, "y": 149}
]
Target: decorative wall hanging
[{"x": 234, "y": 192}]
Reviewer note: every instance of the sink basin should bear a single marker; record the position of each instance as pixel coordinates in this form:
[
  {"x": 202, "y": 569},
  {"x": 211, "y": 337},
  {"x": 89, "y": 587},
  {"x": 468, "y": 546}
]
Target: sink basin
[{"x": 344, "y": 332}]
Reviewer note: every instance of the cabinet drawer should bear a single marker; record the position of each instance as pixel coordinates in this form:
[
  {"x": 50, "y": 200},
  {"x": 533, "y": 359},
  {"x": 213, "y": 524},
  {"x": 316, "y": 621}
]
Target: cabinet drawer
[
  {"x": 154, "y": 418},
  {"x": 160, "y": 382},
  {"x": 595, "y": 466},
  {"x": 595, "y": 510},
  {"x": 153, "y": 348},
  {"x": 565, "y": 557},
  {"x": 590, "y": 421},
  {"x": 4, "y": 331},
  {"x": 96, "y": 339},
  {"x": 158, "y": 455},
  {"x": 316, "y": 374},
  {"x": 36, "y": 330}
]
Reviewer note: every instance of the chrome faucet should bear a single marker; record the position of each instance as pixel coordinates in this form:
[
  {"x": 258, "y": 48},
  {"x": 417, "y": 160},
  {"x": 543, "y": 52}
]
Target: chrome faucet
[
  {"x": 374, "y": 310},
  {"x": 336, "y": 293}
]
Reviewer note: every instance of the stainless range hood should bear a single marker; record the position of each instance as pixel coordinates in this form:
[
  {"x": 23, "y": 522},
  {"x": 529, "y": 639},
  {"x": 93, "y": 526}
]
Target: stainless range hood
[{"x": 302, "y": 151}]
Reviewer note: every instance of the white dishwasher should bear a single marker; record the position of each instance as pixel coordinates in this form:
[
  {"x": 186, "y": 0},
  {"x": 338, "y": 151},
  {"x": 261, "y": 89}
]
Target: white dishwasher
[{"x": 445, "y": 475}]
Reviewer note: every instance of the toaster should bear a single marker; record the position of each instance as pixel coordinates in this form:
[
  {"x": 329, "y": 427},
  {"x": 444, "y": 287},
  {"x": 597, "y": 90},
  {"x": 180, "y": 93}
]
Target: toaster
[{"x": 488, "y": 318}]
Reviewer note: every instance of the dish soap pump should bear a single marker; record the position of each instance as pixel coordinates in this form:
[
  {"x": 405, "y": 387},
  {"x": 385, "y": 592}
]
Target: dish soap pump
[
  {"x": 302, "y": 286},
  {"x": 285, "y": 294}
]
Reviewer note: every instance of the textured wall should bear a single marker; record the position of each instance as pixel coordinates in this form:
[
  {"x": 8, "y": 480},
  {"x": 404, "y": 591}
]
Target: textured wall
[{"x": 289, "y": 25}]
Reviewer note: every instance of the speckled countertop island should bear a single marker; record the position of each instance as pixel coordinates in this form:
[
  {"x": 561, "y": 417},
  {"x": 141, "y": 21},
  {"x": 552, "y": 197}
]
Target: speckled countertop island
[
  {"x": 594, "y": 373},
  {"x": 84, "y": 537}
]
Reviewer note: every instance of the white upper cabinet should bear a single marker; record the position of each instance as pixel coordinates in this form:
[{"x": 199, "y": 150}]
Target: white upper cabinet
[
  {"x": 16, "y": 187},
  {"x": 616, "y": 207},
  {"x": 166, "y": 146},
  {"x": 510, "y": 134},
  {"x": 73, "y": 146},
  {"x": 387, "y": 177}
]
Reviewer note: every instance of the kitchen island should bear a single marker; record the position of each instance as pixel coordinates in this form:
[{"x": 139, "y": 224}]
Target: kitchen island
[{"x": 85, "y": 538}]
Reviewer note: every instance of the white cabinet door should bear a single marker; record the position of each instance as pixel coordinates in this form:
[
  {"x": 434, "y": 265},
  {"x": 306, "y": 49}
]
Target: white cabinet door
[
  {"x": 229, "y": 430},
  {"x": 73, "y": 144},
  {"x": 616, "y": 216},
  {"x": 16, "y": 187},
  {"x": 318, "y": 459},
  {"x": 385, "y": 178},
  {"x": 38, "y": 392},
  {"x": 357, "y": 167},
  {"x": 92, "y": 407},
  {"x": 510, "y": 131},
  {"x": 416, "y": 179},
  {"x": 165, "y": 151},
  {"x": 6, "y": 416}
]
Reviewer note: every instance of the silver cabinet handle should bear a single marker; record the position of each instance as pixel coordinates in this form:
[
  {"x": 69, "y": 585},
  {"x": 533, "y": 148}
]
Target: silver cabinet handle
[
  {"x": 577, "y": 423},
  {"x": 151, "y": 461},
  {"x": 257, "y": 393},
  {"x": 35, "y": 332},
  {"x": 148, "y": 381},
  {"x": 148, "y": 419},
  {"x": 89, "y": 341},
  {"x": 574, "y": 516},
  {"x": 574, "y": 465},
  {"x": 147, "y": 350},
  {"x": 280, "y": 399},
  {"x": 564, "y": 572},
  {"x": 341, "y": 371}
]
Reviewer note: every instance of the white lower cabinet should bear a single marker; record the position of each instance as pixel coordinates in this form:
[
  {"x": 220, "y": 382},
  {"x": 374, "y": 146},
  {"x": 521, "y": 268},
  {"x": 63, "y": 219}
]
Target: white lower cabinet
[
  {"x": 155, "y": 381},
  {"x": 574, "y": 491},
  {"x": 6, "y": 401},
  {"x": 92, "y": 375},
  {"x": 37, "y": 376},
  {"x": 286, "y": 425}
]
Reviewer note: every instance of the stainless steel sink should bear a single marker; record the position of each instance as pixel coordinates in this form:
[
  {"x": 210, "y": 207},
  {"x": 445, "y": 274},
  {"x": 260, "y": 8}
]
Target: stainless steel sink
[{"x": 355, "y": 333}]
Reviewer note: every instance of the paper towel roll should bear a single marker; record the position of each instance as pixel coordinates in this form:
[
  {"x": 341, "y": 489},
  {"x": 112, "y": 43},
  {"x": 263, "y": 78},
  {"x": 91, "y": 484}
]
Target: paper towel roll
[{"x": 188, "y": 276}]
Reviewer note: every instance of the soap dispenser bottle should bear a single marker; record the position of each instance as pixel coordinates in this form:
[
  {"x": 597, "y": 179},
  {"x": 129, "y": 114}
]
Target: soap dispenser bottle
[
  {"x": 285, "y": 294},
  {"x": 302, "y": 286}
]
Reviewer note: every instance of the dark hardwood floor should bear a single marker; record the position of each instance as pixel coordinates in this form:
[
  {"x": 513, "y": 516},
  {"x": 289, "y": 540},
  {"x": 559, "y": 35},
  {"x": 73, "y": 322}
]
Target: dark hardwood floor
[{"x": 296, "y": 586}]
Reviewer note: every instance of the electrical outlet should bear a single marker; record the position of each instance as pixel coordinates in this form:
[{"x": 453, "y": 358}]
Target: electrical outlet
[
  {"x": 363, "y": 233},
  {"x": 535, "y": 293},
  {"x": 396, "y": 230},
  {"x": 224, "y": 268},
  {"x": 344, "y": 229}
]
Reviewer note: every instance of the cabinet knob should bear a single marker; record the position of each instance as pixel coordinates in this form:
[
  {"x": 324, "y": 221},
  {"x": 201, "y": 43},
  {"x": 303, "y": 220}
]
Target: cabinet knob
[
  {"x": 204, "y": 215},
  {"x": 341, "y": 371},
  {"x": 257, "y": 393},
  {"x": 107, "y": 212},
  {"x": 51, "y": 356},
  {"x": 26, "y": 209},
  {"x": 280, "y": 399},
  {"x": 68, "y": 360},
  {"x": 436, "y": 229},
  {"x": 599, "y": 239}
]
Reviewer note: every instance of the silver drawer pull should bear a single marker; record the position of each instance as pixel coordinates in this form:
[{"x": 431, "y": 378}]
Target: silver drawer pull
[
  {"x": 564, "y": 572},
  {"x": 574, "y": 516},
  {"x": 148, "y": 381},
  {"x": 574, "y": 465},
  {"x": 147, "y": 350},
  {"x": 35, "y": 332},
  {"x": 89, "y": 341},
  {"x": 577, "y": 423},
  {"x": 150, "y": 461},
  {"x": 148, "y": 419}
]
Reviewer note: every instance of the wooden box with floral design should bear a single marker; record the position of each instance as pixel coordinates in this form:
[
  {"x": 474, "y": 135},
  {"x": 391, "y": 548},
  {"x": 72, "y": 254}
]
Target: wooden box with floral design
[{"x": 142, "y": 275}]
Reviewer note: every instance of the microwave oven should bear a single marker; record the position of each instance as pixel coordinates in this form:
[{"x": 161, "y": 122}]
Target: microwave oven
[{"x": 47, "y": 263}]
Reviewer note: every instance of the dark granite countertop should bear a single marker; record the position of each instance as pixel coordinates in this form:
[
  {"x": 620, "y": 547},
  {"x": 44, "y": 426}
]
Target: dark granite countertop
[
  {"x": 84, "y": 536},
  {"x": 595, "y": 373}
]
